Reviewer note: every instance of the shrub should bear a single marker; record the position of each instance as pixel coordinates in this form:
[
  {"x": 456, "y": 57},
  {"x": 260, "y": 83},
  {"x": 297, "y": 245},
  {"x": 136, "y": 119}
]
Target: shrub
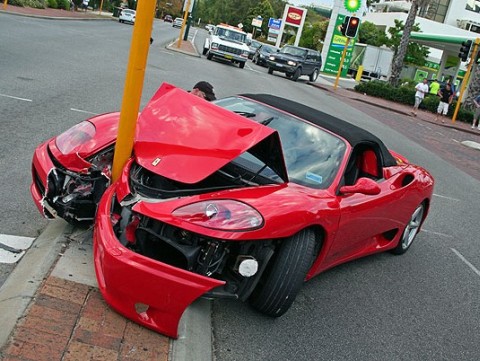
[
  {"x": 405, "y": 94},
  {"x": 52, "y": 4}
]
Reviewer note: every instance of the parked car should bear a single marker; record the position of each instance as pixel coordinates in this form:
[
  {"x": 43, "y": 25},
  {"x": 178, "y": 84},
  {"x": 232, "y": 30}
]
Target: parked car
[
  {"x": 177, "y": 23},
  {"x": 227, "y": 42},
  {"x": 253, "y": 45},
  {"x": 295, "y": 61},
  {"x": 262, "y": 53},
  {"x": 209, "y": 27},
  {"x": 266, "y": 190},
  {"x": 127, "y": 16},
  {"x": 168, "y": 18}
]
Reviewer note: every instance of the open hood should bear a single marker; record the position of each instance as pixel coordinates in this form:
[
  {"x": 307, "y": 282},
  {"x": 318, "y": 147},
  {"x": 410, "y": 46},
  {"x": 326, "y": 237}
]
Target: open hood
[{"x": 185, "y": 138}]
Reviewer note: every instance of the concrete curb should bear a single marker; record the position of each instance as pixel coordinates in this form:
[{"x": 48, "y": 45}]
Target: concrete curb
[
  {"x": 21, "y": 286},
  {"x": 172, "y": 46},
  {"x": 55, "y": 17}
]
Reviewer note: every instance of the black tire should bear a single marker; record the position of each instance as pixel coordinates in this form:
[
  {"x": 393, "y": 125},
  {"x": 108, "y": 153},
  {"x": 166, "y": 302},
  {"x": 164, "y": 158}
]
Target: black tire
[
  {"x": 284, "y": 275},
  {"x": 205, "y": 51},
  {"x": 288, "y": 75},
  {"x": 314, "y": 75},
  {"x": 241, "y": 64},
  {"x": 209, "y": 56},
  {"x": 297, "y": 74},
  {"x": 270, "y": 71},
  {"x": 410, "y": 231}
]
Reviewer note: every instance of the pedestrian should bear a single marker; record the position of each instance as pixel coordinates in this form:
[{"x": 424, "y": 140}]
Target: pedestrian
[
  {"x": 421, "y": 89},
  {"x": 434, "y": 88},
  {"x": 85, "y": 4},
  {"x": 446, "y": 97},
  {"x": 476, "y": 101},
  {"x": 204, "y": 89}
]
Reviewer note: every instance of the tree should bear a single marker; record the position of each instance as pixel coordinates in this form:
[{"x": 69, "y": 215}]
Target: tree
[
  {"x": 473, "y": 87},
  {"x": 416, "y": 54},
  {"x": 371, "y": 34},
  {"x": 398, "y": 61}
]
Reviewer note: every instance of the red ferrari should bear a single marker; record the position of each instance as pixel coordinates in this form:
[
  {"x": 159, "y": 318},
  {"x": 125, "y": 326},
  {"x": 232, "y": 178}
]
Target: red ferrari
[{"x": 246, "y": 198}]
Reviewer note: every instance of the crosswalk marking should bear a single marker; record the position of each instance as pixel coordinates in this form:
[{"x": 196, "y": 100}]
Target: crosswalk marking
[{"x": 12, "y": 248}]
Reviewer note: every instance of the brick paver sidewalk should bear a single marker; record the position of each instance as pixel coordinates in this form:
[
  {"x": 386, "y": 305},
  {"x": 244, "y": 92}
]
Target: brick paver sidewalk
[{"x": 70, "y": 321}]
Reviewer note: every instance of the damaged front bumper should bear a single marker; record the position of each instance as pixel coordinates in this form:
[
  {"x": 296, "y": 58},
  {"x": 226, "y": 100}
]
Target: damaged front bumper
[{"x": 142, "y": 289}]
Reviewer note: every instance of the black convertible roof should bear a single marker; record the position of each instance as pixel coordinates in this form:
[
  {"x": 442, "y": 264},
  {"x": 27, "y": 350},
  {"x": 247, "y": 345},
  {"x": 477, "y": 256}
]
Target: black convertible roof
[{"x": 353, "y": 134}]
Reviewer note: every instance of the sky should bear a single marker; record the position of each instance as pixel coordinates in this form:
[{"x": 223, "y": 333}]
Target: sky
[{"x": 328, "y": 3}]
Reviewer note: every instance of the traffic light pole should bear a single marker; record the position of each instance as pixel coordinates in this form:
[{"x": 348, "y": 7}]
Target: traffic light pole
[
  {"x": 465, "y": 79},
  {"x": 341, "y": 63}
]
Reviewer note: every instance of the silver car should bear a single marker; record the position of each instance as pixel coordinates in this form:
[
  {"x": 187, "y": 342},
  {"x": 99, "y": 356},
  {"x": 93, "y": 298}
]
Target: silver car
[{"x": 177, "y": 23}]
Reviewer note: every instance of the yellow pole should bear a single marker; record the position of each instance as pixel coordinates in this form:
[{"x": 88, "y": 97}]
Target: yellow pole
[
  {"x": 132, "y": 92},
  {"x": 182, "y": 30},
  {"x": 5, "y": 2},
  {"x": 341, "y": 63},
  {"x": 358, "y": 77},
  {"x": 466, "y": 77}
]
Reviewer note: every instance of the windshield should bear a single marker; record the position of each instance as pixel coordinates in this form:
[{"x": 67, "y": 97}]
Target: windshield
[
  {"x": 291, "y": 50},
  {"x": 312, "y": 155},
  {"x": 231, "y": 35}
]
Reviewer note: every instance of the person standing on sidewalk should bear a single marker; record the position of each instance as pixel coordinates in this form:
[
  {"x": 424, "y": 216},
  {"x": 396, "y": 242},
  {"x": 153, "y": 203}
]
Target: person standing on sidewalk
[
  {"x": 446, "y": 97},
  {"x": 434, "y": 88},
  {"x": 476, "y": 101},
  {"x": 421, "y": 90},
  {"x": 85, "y": 4}
]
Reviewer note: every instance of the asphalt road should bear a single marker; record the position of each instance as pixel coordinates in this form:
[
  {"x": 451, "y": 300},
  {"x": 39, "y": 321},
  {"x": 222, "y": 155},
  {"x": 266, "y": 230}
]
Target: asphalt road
[{"x": 420, "y": 306}]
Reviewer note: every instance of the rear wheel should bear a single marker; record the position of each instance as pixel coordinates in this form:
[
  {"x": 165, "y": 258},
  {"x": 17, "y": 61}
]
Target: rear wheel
[
  {"x": 314, "y": 75},
  {"x": 297, "y": 74},
  {"x": 270, "y": 71},
  {"x": 410, "y": 231},
  {"x": 284, "y": 275}
]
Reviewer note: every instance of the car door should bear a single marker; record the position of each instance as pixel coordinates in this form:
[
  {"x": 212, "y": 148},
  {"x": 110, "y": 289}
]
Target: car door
[
  {"x": 309, "y": 64},
  {"x": 367, "y": 222}
]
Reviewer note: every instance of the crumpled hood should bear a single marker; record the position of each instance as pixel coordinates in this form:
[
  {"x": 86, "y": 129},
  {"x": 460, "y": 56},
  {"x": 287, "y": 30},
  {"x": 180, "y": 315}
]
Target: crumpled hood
[{"x": 185, "y": 138}]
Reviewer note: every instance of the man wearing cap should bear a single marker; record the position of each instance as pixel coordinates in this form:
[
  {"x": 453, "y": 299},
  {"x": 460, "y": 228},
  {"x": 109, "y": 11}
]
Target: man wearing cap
[{"x": 204, "y": 90}]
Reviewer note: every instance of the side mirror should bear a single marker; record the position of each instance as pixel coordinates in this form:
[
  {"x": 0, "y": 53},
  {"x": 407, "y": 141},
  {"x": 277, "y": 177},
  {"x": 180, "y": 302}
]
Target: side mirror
[{"x": 363, "y": 186}]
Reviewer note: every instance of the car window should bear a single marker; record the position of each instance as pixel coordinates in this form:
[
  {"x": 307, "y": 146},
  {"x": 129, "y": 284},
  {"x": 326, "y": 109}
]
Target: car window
[
  {"x": 312, "y": 154},
  {"x": 291, "y": 50}
]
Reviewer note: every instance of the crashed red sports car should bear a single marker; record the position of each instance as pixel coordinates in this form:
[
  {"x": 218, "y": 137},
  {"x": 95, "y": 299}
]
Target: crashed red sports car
[{"x": 244, "y": 198}]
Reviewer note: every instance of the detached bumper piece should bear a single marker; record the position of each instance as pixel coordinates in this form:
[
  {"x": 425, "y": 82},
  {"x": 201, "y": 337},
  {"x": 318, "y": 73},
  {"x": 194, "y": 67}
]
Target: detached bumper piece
[{"x": 142, "y": 289}]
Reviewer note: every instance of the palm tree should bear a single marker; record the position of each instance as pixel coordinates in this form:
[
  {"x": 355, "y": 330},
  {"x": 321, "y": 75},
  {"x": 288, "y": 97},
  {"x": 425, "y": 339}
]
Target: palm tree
[
  {"x": 473, "y": 87},
  {"x": 397, "y": 64}
]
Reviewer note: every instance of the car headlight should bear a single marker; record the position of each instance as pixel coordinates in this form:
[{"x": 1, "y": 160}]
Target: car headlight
[
  {"x": 223, "y": 214},
  {"x": 214, "y": 45},
  {"x": 291, "y": 63},
  {"x": 272, "y": 58},
  {"x": 262, "y": 56},
  {"x": 75, "y": 136}
]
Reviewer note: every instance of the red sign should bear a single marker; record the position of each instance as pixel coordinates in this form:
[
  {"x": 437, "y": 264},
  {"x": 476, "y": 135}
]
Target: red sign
[{"x": 294, "y": 16}]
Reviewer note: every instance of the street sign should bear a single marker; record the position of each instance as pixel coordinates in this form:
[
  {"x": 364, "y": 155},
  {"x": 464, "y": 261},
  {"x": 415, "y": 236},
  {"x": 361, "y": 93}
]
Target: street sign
[{"x": 274, "y": 23}]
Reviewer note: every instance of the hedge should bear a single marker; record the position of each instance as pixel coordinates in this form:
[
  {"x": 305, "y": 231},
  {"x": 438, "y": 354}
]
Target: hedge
[{"x": 405, "y": 94}]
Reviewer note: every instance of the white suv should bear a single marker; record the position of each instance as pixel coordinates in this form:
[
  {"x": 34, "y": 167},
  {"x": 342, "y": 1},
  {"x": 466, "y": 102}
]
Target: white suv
[{"x": 227, "y": 42}]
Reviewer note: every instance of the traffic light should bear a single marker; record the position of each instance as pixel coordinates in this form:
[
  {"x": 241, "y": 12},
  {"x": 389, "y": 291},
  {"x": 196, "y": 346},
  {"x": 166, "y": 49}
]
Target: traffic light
[
  {"x": 465, "y": 50},
  {"x": 343, "y": 27},
  {"x": 352, "y": 27}
]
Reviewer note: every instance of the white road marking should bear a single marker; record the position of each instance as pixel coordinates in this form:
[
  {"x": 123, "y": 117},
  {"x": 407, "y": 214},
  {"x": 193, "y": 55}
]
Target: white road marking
[
  {"x": 12, "y": 248},
  {"x": 445, "y": 197},
  {"x": 17, "y": 98},
  {"x": 437, "y": 233},
  {"x": 454, "y": 140},
  {"x": 82, "y": 111},
  {"x": 464, "y": 260}
]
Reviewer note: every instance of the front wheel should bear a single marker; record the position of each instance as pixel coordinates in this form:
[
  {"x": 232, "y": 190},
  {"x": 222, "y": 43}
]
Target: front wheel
[
  {"x": 241, "y": 65},
  {"x": 270, "y": 71},
  {"x": 205, "y": 50},
  {"x": 297, "y": 74},
  {"x": 285, "y": 274},
  {"x": 314, "y": 75},
  {"x": 209, "y": 56},
  {"x": 410, "y": 231}
]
